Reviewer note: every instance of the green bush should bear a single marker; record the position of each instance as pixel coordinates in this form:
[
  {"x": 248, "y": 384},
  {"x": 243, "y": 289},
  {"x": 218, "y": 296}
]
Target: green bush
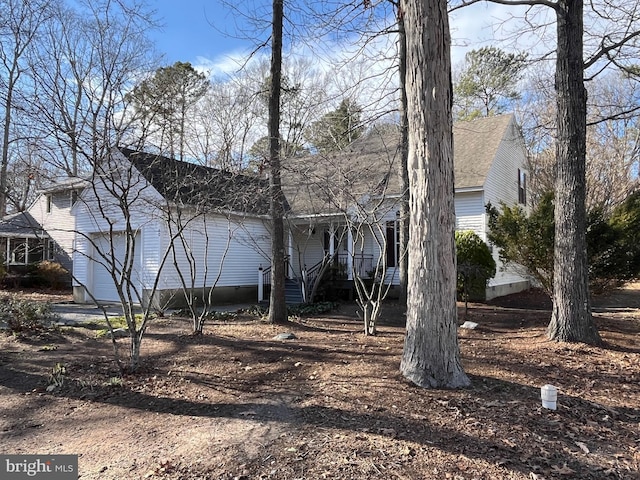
[
  {"x": 613, "y": 241},
  {"x": 25, "y": 316},
  {"x": 475, "y": 266}
]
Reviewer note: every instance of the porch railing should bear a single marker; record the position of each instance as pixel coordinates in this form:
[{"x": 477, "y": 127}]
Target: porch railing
[
  {"x": 264, "y": 277},
  {"x": 362, "y": 266}
]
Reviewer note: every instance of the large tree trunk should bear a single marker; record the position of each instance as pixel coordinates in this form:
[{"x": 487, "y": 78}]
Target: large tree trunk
[
  {"x": 277, "y": 305},
  {"x": 571, "y": 320},
  {"x": 431, "y": 356}
]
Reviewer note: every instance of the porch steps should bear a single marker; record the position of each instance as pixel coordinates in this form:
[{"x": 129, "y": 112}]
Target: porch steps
[{"x": 293, "y": 292}]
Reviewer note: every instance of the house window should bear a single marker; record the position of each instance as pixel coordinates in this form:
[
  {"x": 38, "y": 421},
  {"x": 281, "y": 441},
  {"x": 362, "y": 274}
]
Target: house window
[
  {"x": 49, "y": 200},
  {"x": 522, "y": 187},
  {"x": 393, "y": 243},
  {"x": 18, "y": 251},
  {"x": 74, "y": 197},
  {"x": 327, "y": 240},
  {"x": 37, "y": 250},
  {"x": 51, "y": 250}
]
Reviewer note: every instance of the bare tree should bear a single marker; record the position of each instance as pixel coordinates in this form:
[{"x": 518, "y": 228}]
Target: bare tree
[
  {"x": 354, "y": 189},
  {"x": 114, "y": 209},
  {"x": 431, "y": 356},
  {"x": 20, "y": 25},
  {"x": 611, "y": 41},
  {"x": 88, "y": 60}
]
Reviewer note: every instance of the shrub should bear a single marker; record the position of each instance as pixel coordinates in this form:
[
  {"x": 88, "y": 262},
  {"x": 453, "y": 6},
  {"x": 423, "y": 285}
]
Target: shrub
[
  {"x": 25, "y": 316},
  {"x": 52, "y": 274},
  {"x": 613, "y": 241},
  {"x": 475, "y": 266},
  {"x": 525, "y": 242}
]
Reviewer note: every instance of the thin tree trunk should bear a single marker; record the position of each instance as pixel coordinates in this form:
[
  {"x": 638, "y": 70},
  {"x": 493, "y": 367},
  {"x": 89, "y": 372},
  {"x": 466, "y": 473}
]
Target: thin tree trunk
[
  {"x": 431, "y": 356},
  {"x": 571, "y": 320},
  {"x": 277, "y": 305},
  {"x": 403, "y": 261},
  {"x": 5, "y": 152}
]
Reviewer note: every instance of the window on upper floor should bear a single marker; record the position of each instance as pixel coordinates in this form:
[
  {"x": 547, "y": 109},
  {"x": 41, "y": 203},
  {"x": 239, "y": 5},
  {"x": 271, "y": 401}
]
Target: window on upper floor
[
  {"x": 522, "y": 187},
  {"x": 74, "y": 197},
  {"x": 49, "y": 202}
]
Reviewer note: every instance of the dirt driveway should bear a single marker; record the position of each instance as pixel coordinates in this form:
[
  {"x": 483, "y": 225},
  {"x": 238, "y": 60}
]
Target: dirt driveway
[{"x": 237, "y": 404}]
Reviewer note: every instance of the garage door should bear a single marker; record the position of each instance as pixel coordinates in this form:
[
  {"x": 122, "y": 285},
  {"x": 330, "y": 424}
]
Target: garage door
[{"x": 103, "y": 285}]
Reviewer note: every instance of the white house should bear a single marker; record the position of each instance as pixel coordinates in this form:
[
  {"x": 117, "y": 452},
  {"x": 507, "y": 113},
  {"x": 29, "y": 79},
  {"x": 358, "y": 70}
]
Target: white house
[
  {"x": 149, "y": 225},
  {"x": 45, "y": 231}
]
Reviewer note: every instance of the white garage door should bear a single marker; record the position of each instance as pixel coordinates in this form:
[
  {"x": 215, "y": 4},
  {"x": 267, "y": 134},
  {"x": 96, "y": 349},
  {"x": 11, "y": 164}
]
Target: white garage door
[{"x": 103, "y": 286}]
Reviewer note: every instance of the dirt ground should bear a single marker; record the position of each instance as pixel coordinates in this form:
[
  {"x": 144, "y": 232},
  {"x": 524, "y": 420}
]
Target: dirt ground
[{"x": 235, "y": 403}]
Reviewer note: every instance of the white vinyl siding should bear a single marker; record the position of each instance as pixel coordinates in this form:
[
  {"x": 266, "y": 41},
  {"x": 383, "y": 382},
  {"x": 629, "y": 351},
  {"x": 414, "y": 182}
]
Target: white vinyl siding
[
  {"x": 229, "y": 248},
  {"x": 107, "y": 247},
  {"x": 470, "y": 213},
  {"x": 501, "y": 184},
  {"x": 58, "y": 222},
  {"x": 308, "y": 247}
]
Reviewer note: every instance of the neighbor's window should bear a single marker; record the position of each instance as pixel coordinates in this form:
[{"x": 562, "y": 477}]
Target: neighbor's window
[
  {"x": 49, "y": 200},
  {"x": 51, "y": 250},
  {"x": 522, "y": 187}
]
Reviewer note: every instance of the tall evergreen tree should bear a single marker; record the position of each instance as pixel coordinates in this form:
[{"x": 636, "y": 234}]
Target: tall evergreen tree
[
  {"x": 162, "y": 103},
  {"x": 488, "y": 82},
  {"x": 338, "y": 128}
]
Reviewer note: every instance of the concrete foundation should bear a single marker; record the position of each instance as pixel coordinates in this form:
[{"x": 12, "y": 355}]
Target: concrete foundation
[
  {"x": 175, "y": 298},
  {"x": 507, "y": 289}
]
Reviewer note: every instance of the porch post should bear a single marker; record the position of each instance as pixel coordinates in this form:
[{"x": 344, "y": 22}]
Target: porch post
[
  {"x": 260, "y": 285},
  {"x": 290, "y": 239},
  {"x": 349, "y": 254},
  {"x": 332, "y": 240}
]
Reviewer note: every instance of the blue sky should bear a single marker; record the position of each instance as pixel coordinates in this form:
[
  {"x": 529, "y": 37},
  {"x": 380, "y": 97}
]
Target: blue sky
[
  {"x": 188, "y": 34},
  {"x": 192, "y": 31}
]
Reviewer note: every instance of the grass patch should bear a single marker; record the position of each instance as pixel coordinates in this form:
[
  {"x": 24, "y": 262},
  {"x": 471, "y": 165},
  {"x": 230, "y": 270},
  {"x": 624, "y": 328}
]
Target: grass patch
[{"x": 102, "y": 330}]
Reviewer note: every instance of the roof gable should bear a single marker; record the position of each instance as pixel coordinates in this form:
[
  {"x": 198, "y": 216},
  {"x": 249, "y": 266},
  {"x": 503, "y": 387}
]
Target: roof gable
[
  {"x": 370, "y": 166},
  {"x": 475, "y": 144}
]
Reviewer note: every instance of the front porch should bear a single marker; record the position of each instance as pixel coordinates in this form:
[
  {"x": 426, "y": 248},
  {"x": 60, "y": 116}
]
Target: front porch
[{"x": 324, "y": 258}]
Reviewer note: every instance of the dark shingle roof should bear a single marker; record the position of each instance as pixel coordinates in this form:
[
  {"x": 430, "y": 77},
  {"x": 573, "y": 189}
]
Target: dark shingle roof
[
  {"x": 20, "y": 224},
  {"x": 196, "y": 185}
]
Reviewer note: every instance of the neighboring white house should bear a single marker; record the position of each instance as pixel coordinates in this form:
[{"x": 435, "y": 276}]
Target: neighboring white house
[
  {"x": 45, "y": 231},
  {"x": 153, "y": 226},
  {"x": 52, "y": 211}
]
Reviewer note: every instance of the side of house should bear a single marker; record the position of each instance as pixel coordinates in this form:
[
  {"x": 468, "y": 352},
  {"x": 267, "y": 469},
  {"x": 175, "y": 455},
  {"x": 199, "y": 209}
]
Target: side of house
[
  {"x": 52, "y": 210},
  {"x": 137, "y": 218},
  {"x": 506, "y": 182}
]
